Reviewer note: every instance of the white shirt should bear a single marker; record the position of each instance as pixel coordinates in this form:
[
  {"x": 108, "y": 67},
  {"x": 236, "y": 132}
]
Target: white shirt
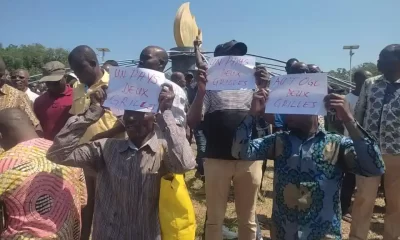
[
  {"x": 179, "y": 104},
  {"x": 352, "y": 100},
  {"x": 31, "y": 95}
]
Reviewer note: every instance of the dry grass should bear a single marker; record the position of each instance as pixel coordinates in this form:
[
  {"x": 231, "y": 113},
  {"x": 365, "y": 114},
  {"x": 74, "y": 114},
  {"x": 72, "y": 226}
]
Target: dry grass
[{"x": 264, "y": 209}]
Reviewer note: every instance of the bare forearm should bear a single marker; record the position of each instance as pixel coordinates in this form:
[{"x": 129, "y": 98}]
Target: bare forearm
[{"x": 195, "y": 111}]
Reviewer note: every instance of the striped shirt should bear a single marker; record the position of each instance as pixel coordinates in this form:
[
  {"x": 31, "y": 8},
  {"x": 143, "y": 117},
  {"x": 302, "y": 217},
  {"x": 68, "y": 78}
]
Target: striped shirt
[
  {"x": 42, "y": 200},
  {"x": 128, "y": 178}
]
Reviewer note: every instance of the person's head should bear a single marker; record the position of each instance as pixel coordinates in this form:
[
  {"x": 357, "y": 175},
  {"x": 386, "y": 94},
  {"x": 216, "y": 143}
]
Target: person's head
[
  {"x": 109, "y": 63},
  {"x": 71, "y": 78},
  {"x": 15, "y": 127},
  {"x": 138, "y": 125},
  {"x": 360, "y": 76},
  {"x": 33, "y": 87},
  {"x": 389, "y": 62},
  {"x": 154, "y": 58},
  {"x": 84, "y": 63},
  {"x": 20, "y": 79},
  {"x": 189, "y": 78},
  {"x": 54, "y": 77},
  {"x": 178, "y": 78},
  {"x": 302, "y": 124},
  {"x": 289, "y": 64},
  {"x": 298, "y": 67},
  {"x": 312, "y": 68},
  {"x": 231, "y": 48}
]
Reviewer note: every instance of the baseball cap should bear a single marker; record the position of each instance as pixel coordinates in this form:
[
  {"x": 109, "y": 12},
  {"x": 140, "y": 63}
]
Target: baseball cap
[
  {"x": 53, "y": 71},
  {"x": 225, "y": 48}
]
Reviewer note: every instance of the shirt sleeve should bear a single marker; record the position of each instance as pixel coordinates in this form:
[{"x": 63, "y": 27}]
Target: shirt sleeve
[
  {"x": 66, "y": 149},
  {"x": 26, "y": 106},
  {"x": 179, "y": 156},
  {"x": 361, "y": 157},
  {"x": 361, "y": 105},
  {"x": 246, "y": 149}
]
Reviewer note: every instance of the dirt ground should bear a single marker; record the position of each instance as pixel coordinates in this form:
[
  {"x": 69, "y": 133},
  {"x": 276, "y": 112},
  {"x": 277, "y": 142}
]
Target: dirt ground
[{"x": 264, "y": 208}]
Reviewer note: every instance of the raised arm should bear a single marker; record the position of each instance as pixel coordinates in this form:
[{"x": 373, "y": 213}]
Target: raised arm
[
  {"x": 199, "y": 104},
  {"x": 179, "y": 155},
  {"x": 360, "y": 153},
  {"x": 66, "y": 149},
  {"x": 246, "y": 149}
]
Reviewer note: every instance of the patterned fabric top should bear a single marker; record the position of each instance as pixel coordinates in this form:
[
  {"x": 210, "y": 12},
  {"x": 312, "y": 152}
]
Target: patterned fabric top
[
  {"x": 13, "y": 98},
  {"x": 128, "y": 179},
  {"x": 378, "y": 109},
  {"x": 308, "y": 177},
  {"x": 42, "y": 200}
]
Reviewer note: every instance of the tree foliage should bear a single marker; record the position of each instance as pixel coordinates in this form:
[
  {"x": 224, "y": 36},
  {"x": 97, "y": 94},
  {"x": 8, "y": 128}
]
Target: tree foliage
[
  {"x": 343, "y": 73},
  {"x": 31, "y": 57}
]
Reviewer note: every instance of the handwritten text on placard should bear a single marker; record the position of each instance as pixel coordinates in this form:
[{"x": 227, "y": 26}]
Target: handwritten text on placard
[
  {"x": 231, "y": 73},
  {"x": 298, "y": 94},
  {"x": 132, "y": 88}
]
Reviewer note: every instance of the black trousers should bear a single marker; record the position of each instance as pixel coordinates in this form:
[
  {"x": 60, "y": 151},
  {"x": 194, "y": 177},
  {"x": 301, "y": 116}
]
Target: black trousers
[{"x": 348, "y": 186}]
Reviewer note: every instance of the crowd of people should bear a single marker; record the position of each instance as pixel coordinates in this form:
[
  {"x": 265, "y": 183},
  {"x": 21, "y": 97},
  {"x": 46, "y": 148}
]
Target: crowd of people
[{"x": 73, "y": 169}]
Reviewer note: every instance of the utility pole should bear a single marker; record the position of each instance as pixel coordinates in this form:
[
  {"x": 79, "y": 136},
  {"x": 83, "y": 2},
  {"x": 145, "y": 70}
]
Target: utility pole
[
  {"x": 351, "y": 53},
  {"x": 103, "y": 51}
]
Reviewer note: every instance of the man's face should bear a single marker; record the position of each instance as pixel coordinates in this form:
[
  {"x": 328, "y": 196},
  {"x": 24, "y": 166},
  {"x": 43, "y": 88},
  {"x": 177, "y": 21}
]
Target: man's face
[
  {"x": 297, "y": 122},
  {"x": 56, "y": 88},
  {"x": 138, "y": 125},
  {"x": 19, "y": 80},
  {"x": 85, "y": 71},
  {"x": 149, "y": 60}
]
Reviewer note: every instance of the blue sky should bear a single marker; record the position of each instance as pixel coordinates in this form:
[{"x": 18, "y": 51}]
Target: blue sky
[{"x": 312, "y": 30}]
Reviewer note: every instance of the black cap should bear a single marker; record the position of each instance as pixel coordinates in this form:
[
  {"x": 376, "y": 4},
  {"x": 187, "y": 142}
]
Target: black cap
[{"x": 225, "y": 48}]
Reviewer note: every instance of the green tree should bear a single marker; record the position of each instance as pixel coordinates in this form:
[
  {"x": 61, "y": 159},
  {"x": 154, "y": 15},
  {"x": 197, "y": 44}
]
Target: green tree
[
  {"x": 343, "y": 73},
  {"x": 31, "y": 57}
]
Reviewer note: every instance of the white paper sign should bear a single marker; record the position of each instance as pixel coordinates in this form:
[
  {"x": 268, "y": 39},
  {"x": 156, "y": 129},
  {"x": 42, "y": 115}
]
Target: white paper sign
[
  {"x": 231, "y": 73},
  {"x": 298, "y": 94},
  {"x": 132, "y": 88}
]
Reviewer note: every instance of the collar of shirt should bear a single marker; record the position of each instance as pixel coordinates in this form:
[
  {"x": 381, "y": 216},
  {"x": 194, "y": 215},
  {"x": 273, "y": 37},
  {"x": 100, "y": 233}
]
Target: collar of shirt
[
  {"x": 67, "y": 91},
  {"x": 152, "y": 143},
  {"x": 103, "y": 80}
]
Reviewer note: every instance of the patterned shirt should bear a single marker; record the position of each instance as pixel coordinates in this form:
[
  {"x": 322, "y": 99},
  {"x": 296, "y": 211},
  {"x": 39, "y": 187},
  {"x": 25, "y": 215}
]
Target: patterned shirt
[
  {"x": 128, "y": 178},
  {"x": 42, "y": 200},
  {"x": 13, "y": 98},
  {"x": 378, "y": 109},
  {"x": 308, "y": 177}
]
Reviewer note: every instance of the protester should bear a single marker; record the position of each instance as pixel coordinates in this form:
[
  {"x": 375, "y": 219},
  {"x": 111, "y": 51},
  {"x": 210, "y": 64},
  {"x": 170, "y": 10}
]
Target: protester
[
  {"x": 128, "y": 171},
  {"x": 312, "y": 68},
  {"x": 223, "y": 111},
  {"x": 179, "y": 79},
  {"x": 109, "y": 63},
  {"x": 289, "y": 64},
  {"x": 20, "y": 80},
  {"x": 7, "y": 77},
  {"x": 378, "y": 109},
  {"x": 12, "y": 98},
  {"x": 42, "y": 200},
  {"x": 52, "y": 108},
  {"x": 84, "y": 63},
  {"x": 309, "y": 164}
]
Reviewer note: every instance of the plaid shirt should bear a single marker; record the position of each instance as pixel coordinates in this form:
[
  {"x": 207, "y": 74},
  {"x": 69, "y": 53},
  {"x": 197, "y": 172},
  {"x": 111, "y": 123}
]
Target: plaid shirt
[
  {"x": 378, "y": 110},
  {"x": 128, "y": 178}
]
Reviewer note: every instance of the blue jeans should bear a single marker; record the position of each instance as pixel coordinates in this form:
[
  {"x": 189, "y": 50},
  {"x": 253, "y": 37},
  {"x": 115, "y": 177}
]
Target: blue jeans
[{"x": 201, "y": 149}]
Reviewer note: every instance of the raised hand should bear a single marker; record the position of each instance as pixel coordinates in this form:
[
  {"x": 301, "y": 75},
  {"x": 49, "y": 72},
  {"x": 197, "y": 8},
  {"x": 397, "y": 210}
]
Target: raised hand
[
  {"x": 339, "y": 104},
  {"x": 166, "y": 97},
  {"x": 99, "y": 96},
  {"x": 260, "y": 98}
]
